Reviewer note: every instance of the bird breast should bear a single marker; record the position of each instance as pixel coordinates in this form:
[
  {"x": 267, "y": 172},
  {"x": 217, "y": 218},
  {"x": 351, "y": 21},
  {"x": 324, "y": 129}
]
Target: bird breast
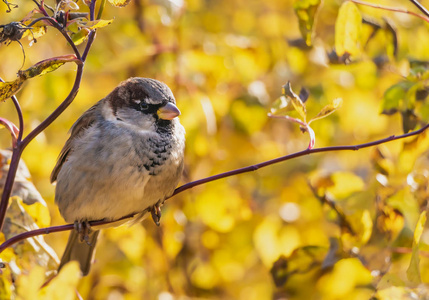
[{"x": 112, "y": 172}]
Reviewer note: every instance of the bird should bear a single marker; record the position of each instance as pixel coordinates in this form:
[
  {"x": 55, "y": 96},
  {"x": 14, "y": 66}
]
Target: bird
[{"x": 124, "y": 156}]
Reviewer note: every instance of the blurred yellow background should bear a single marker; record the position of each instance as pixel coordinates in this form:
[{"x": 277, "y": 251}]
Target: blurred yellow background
[{"x": 226, "y": 61}]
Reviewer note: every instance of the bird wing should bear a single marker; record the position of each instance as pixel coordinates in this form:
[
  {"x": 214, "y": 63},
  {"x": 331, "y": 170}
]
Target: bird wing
[{"x": 78, "y": 128}]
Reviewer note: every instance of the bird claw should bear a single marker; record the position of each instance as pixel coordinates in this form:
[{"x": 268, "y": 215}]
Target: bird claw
[
  {"x": 83, "y": 229},
  {"x": 156, "y": 213}
]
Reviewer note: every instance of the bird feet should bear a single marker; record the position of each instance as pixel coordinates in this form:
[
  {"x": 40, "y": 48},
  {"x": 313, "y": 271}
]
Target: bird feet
[
  {"x": 156, "y": 212},
  {"x": 83, "y": 229}
]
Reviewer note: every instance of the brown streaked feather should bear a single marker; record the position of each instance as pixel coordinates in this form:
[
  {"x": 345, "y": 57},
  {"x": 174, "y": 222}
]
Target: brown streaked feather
[{"x": 83, "y": 123}]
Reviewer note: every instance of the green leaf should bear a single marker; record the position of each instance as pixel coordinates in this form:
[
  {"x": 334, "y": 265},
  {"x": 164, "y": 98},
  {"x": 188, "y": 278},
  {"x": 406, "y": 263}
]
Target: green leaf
[
  {"x": 295, "y": 100},
  {"x": 394, "y": 97},
  {"x": 409, "y": 120},
  {"x": 306, "y": 12},
  {"x": 413, "y": 271},
  {"x": 348, "y": 29},
  {"x": 328, "y": 109}
]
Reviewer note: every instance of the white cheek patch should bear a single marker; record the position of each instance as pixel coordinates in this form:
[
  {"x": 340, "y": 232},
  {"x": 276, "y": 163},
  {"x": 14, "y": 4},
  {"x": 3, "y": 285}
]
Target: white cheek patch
[{"x": 136, "y": 101}]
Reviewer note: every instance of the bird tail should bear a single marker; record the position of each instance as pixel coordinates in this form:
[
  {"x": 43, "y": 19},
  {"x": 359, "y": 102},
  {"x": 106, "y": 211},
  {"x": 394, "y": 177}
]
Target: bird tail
[{"x": 80, "y": 251}]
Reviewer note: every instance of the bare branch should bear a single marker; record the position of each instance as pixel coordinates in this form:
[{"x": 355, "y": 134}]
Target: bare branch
[{"x": 192, "y": 184}]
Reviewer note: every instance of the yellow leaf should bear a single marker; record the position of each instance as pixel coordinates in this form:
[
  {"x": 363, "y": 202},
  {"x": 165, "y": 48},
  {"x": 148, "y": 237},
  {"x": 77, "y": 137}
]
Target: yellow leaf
[
  {"x": 119, "y": 3},
  {"x": 39, "y": 213},
  {"x": 345, "y": 183},
  {"x": 348, "y": 29},
  {"x": 6, "y": 284},
  {"x": 281, "y": 106},
  {"x": 28, "y": 285},
  {"x": 7, "y": 255},
  {"x": 8, "y": 89},
  {"x": 79, "y": 37},
  {"x": 99, "y": 23},
  {"x": 413, "y": 271},
  {"x": 295, "y": 100},
  {"x": 328, "y": 109},
  {"x": 346, "y": 276},
  {"x": 306, "y": 12},
  {"x": 205, "y": 276},
  {"x": 46, "y": 66},
  {"x": 64, "y": 285}
]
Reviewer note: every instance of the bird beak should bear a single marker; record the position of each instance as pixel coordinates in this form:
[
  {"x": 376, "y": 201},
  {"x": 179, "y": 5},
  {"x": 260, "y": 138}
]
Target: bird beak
[{"x": 168, "y": 111}]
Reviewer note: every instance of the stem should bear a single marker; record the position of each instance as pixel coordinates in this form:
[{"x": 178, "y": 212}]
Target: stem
[
  {"x": 17, "y": 151},
  {"x": 58, "y": 110},
  {"x": 92, "y": 10},
  {"x": 41, "y": 8},
  {"x": 100, "y": 9},
  {"x": 294, "y": 155},
  {"x": 192, "y": 184},
  {"x": 404, "y": 11},
  {"x": 91, "y": 38},
  {"x": 421, "y": 7},
  {"x": 20, "y": 118},
  {"x": 13, "y": 167},
  {"x": 342, "y": 220},
  {"x": 56, "y": 25}
]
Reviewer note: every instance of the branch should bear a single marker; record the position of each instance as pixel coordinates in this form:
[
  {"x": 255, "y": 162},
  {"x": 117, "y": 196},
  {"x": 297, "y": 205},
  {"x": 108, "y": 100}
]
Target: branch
[
  {"x": 67, "y": 101},
  {"x": 20, "y": 146},
  {"x": 404, "y": 11},
  {"x": 57, "y": 26},
  {"x": 421, "y": 7},
  {"x": 192, "y": 184},
  {"x": 20, "y": 118},
  {"x": 294, "y": 155}
]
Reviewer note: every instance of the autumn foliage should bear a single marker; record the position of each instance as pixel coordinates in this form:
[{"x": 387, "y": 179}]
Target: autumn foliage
[{"x": 334, "y": 92}]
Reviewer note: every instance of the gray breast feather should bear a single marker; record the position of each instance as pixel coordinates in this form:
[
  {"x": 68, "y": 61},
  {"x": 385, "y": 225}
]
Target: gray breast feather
[{"x": 111, "y": 172}]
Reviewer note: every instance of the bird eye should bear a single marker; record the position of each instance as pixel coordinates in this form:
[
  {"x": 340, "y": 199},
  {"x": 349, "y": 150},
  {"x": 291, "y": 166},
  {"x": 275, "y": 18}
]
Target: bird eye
[{"x": 144, "y": 106}]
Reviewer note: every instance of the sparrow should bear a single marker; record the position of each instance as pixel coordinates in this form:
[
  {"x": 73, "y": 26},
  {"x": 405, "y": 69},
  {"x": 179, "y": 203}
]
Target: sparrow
[{"x": 124, "y": 156}]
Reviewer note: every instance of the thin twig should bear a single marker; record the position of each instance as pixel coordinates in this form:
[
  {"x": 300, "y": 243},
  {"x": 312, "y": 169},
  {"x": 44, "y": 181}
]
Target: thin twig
[
  {"x": 13, "y": 167},
  {"x": 324, "y": 199},
  {"x": 17, "y": 152},
  {"x": 91, "y": 38},
  {"x": 294, "y": 155},
  {"x": 20, "y": 118},
  {"x": 92, "y": 10},
  {"x": 67, "y": 101},
  {"x": 399, "y": 10},
  {"x": 421, "y": 7},
  {"x": 60, "y": 28},
  {"x": 192, "y": 184}
]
